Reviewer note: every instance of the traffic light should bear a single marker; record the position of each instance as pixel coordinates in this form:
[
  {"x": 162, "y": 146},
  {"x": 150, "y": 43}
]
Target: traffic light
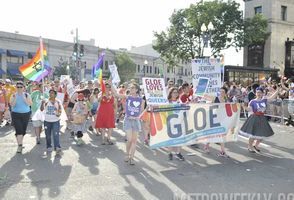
[
  {"x": 82, "y": 50},
  {"x": 75, "y": 49}
]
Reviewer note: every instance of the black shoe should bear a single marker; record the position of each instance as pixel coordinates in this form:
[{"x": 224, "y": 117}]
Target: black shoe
[
  {"x": 91, "y": 128},
  {"x": 117, "y": 120},
  {"x": 195, "y": 146},
  {"x": 256, "y": 149},
  {"x": 170, "y": 156},
  {"x": 7, "y": 124},
  {"x": 180, "y": 156},
  {"x": 72, "y": 134}
]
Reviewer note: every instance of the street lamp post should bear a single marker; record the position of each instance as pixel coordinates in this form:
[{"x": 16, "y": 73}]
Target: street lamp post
[
  {"x": 145, "y": 65},
  {"x": 206, "y": 34},
  {"x": 78, "y": 53}
]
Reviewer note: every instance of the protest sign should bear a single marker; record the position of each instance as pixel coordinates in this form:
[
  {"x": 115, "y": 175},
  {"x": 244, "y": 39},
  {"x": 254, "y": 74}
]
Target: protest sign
[
  {"x": 114, "y": 74},
  {"x": 60, "y": 96},
  {"x": 201, "y": 87},
  {"x": 64, "y": 78},
  {"x": 70, "y": 89},
  {"x": 207, "y": 68},
  {"x": 133, "y": 106},
  {"x": 178, "y": 125},
  {"x": 155, "y": 91}
]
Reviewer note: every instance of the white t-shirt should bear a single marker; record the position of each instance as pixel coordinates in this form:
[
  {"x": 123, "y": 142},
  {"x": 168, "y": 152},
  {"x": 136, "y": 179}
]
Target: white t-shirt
[{"x": 51, "y": 110}]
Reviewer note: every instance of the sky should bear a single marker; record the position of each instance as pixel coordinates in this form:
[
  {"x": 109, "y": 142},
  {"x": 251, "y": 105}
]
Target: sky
[{"x": 112, "y": 23}]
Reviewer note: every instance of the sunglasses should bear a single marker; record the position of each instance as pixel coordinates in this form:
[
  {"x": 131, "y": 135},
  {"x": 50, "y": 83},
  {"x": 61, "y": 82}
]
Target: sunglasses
[
  {"x": 19, "y": 87},
  {"x": 81, "y": 99}
]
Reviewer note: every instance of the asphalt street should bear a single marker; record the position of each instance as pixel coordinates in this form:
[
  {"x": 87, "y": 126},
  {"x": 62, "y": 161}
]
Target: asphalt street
[{"x": 94, "y": 171}]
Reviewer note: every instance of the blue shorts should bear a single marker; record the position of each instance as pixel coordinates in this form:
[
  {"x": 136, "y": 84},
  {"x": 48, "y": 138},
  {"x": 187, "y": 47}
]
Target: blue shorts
[{"x": 132, "y": 124}]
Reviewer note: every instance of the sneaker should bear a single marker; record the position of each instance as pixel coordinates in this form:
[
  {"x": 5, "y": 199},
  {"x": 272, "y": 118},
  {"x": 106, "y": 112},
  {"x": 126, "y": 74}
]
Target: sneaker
[
  {"x": 170, "y": 156},
  {"x": 223, "y": 154},
  {"x": 49, "y": 149},
  {"x": 19, "y": 149},
  {"x": 80, "y": 141},
  {"x": 180, "y": 156},
  {"x": 91, "y": 128},
  {"x": 58, "y": 150},
  {"x": 72, "y": 134}
]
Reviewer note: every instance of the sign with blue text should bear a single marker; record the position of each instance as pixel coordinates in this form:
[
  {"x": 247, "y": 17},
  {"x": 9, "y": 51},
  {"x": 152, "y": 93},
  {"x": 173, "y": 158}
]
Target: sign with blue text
[
  {"x": 180, "y": 125},
  {"x": 155, "y": 92},
  {"x": 207, "y": 68}
]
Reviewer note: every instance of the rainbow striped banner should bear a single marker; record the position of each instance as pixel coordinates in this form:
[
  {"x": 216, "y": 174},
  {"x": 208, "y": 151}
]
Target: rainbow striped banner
[
  {"x": 33, "y": 70},
  {"x": 97, "y": 72}
]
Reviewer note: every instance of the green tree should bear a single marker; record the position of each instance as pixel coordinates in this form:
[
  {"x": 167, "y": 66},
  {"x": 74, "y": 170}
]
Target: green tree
[
  {"x": 255, "y": 30},
  {"x": 125, "y": 66},
  {"x": 61, "y": 69},
  {"x": 66, "y": 67},
  {"x": 183, "y": 40}
]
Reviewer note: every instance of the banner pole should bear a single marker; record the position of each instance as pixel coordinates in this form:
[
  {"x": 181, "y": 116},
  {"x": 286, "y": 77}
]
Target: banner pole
[{"x": 42, "y": 61}]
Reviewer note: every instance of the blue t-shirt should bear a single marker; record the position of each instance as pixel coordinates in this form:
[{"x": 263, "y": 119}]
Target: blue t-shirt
[
  {"x": 20, "y": 106},
  {"x": 258, "y": 105}
]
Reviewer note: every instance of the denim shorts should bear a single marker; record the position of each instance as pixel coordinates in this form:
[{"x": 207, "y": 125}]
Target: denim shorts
[
  {"x": 132, "y": 124},
  {"x": 37, "y": 123}
]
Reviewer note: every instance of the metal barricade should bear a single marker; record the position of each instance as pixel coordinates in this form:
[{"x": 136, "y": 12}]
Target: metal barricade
[
  {"x": 274, "y": 110},
  {"x": 288, "y": 112},
  {"x": 280, "y": 111}
]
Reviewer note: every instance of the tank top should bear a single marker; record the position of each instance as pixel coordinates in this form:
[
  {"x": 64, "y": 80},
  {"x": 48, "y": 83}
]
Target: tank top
[{"x": 21, "y": 106}]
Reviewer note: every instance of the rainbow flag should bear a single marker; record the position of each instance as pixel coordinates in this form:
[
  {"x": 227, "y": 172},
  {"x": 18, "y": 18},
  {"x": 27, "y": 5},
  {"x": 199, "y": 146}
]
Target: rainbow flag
[
  {"x": 33, "y": 70},
  {"x": 97, "y": 72}
]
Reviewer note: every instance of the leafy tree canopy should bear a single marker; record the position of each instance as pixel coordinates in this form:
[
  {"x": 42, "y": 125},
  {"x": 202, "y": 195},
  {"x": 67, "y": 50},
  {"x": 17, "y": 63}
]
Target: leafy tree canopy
[{"x": 183, "y": 40}]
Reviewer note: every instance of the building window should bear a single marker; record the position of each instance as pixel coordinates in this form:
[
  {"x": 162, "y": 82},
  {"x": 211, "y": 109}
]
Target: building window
[
  {"x": 186, "y": 72},
  {"x": 150, "y": 69},
  {"x": 168, "y": 70},
  {"x": 106, "y": 65},
  {"x": 14, "y": 59},
  {"x": 155, "y": 70},
  {"x": 255, "y": 55},
  {"x": 284, "y": 13},
  {"x": 258, "y": 10},
  {"x": 138, "y": 68},
  {"x": 289, "y": 54}
]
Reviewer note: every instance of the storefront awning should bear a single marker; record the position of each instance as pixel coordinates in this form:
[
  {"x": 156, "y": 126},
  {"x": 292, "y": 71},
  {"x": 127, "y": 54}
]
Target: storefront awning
[
  {"x": 2, "y": 51},
  {"x": 13, "y": 71},
  {"x": 16, "y": 53},
  {"x": 2, "y": 71}
]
